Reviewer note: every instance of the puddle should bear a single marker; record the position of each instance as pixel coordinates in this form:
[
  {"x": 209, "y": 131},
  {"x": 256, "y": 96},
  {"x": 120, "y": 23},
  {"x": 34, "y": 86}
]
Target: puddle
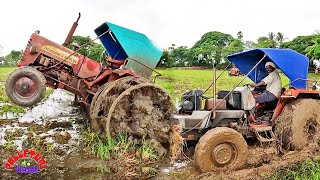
[
  {"x": 174, "y": 167},
  {"x": 180, "y": 170},
  {"x": 53, "y": 122},
  {"x": 58, "y": 106}
]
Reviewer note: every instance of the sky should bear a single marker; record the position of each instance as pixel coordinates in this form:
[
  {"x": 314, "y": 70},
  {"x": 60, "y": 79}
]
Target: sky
[{"x": 166, "y": 22}]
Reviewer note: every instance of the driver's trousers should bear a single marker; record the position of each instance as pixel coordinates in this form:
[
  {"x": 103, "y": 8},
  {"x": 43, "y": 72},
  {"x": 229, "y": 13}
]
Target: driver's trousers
[{"x": 265, "y": 97}]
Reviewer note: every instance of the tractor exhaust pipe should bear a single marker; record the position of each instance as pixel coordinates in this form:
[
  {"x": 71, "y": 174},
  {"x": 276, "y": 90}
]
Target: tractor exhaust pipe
[{"x": 71, "y": 32}]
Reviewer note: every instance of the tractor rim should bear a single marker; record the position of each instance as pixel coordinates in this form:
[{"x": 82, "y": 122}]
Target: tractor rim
[
  {"x": 223, "y": 154},
  {"x": 25, "y": 87}
]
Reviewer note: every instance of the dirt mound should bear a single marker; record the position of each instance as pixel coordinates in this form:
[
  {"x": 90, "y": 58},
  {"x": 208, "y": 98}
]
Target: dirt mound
[{"x": 298, "y": 124}]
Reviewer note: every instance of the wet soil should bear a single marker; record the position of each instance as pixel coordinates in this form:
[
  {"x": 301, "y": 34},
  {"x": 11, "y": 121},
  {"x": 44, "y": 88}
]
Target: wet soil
[{"x": 53, "y": 127}]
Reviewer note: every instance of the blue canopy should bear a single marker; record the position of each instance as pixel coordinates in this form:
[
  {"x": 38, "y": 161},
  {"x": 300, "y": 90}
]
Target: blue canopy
[
  {"x": 293, "y": 64},
  {"x": 122, "y": 43}
]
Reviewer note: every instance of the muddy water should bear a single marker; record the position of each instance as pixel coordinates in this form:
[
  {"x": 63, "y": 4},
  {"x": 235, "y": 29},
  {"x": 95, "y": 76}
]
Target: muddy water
[{"x": 57, "y": 123}]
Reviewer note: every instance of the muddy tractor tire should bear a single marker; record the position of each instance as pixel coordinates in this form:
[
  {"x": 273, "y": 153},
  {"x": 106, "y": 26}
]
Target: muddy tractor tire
[
  {"x": 26, "y": 86},
  {"x": 102, "y": 101},
  {"x": 221, "y": 149},
  {"x": 134, "y": 106},
  {"x": 298, "y": 124}
]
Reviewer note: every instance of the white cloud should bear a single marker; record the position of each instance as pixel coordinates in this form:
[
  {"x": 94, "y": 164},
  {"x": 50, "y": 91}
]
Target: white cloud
[{"x": 182, "y": 22}]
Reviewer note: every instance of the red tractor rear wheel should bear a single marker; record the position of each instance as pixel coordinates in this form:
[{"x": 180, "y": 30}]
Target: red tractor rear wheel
[
  {"x": 101, "y": 101},
  {"x": 26, "y": 86}
]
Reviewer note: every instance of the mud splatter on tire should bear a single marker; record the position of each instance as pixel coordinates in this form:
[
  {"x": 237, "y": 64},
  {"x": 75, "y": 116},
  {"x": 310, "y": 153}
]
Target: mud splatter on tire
[
  {"x": 142, "y": 111},
  {"x": 298, "y": 125}
]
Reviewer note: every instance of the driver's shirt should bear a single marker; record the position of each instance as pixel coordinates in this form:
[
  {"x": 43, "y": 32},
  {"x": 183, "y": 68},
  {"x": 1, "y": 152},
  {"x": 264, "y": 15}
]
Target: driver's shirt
[{"x": 273, "y": 82}]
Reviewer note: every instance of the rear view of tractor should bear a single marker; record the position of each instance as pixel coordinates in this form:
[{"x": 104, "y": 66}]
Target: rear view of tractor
[
  {"x": 227, "y": 120},
  {"x": 122, "y": 99}
]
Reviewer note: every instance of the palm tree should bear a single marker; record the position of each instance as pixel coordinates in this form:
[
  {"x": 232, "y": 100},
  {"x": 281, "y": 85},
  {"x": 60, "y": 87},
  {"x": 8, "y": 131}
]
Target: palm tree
[
  {"x": 279, "y": 38},
  {"x": 272, "y": 41},
  {"x": 240, "y": 35}
]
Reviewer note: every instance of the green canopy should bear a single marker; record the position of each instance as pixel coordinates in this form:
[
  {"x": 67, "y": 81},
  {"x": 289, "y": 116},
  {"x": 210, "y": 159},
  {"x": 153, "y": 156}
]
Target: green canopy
[{"x": 125, "y": 44}]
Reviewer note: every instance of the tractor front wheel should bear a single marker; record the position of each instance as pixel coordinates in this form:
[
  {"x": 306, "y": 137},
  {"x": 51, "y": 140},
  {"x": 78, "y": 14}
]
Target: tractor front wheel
[
  {"x": 220, "y": 149},
  {"x": 26, "y": 86}
]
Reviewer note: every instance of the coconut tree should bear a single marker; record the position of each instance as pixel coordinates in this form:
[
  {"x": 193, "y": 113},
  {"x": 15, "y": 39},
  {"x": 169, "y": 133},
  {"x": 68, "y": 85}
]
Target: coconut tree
[{"x": 279, "y": 38}]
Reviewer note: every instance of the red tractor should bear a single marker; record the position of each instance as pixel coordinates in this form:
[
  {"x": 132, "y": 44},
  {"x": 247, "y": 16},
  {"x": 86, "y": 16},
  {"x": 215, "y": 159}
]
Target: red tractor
[{"x": 119, "y": 94}]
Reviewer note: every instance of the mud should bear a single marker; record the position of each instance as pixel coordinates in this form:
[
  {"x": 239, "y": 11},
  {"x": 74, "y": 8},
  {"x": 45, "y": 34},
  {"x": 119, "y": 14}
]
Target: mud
[
  {"x": 104, "y": 98},
  {"x": 62, "y": 137},
  {"x": 142, "y": 111},
  {"x": 298, "y": 124},
  {"x": 52, "y": 128}
]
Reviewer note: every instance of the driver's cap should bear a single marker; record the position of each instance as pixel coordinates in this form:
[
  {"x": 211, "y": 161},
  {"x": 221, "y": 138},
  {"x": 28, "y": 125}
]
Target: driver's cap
[{"x": 270, "y": 64}]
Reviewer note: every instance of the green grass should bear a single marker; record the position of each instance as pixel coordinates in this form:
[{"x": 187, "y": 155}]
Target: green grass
[
  {"x": 122, "y": 155},
  {"x": 308, "y": 170}
]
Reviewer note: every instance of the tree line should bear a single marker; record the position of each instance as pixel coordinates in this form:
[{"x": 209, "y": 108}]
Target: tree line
[
  {"x": 215, "y": 46},
  {"x": 212, "y": 46}
]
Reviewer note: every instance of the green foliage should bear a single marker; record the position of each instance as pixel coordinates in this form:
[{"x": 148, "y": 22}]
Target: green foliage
[
  {"x": 270, "y": 41},
  {"x": 307, "y": 170},
  {"x": 11, "y": 59},
  {"x": 212, "y": 46},
  {"x": 9, "y": 145},
  {"x": 123, "y": 156},
  {"x": 280, "y": 38},
  {"x": 240, "y": 35},
  {"x": 89, "y": 48},
  {"x": 181, "y": 57},
  {"x": 313, "y": 52},
  {"x": 300, "y": 43},
  {"x": 11, "y": 108},
  {"x": 265, "y": 42},
  {"x": 166, "y": 60}
]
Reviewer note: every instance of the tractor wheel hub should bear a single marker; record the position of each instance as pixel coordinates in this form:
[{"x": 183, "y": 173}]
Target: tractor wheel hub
[
  {"x": 25, "y": 87},
  {"x": 222, "y": 154}
]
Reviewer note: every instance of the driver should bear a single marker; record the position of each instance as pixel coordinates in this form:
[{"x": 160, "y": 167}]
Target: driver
[{"x": 273, "y": 82}]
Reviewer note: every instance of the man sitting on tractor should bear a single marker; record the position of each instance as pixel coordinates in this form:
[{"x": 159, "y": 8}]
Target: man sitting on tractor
[{"x": 273, "y": 82}]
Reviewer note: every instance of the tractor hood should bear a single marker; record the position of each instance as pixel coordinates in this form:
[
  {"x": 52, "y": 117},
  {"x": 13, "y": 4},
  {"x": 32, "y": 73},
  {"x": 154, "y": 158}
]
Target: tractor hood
[
  {"x": 125, "y": 44},
  {"x": 293, "y": 64}
]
